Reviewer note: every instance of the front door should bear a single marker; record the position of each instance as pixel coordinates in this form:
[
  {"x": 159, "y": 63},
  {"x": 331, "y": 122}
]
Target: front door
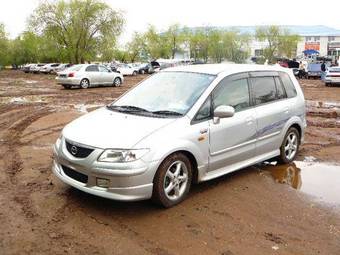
[{"x": 232, "y": 140}]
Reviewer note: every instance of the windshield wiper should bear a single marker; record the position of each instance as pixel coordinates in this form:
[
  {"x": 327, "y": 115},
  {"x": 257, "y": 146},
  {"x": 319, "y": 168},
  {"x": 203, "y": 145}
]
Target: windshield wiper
[
  {"x": 166, "y": 112},
  {"x": 126, "y": 108}
]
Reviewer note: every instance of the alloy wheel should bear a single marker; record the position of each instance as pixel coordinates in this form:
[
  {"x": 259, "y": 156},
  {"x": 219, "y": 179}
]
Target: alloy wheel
[{"x": 175, "y": 180}]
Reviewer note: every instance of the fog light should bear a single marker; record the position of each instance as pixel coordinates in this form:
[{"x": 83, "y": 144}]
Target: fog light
[{"x": 103, "y": 183}]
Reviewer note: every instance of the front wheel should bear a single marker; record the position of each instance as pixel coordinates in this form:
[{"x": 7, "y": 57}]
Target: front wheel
[
  {"x": 290, "y": 146},
  {"x": 134, "y": 73},
  {"x": 117, "y": 82},
  {"x": 173, "y": 180}
]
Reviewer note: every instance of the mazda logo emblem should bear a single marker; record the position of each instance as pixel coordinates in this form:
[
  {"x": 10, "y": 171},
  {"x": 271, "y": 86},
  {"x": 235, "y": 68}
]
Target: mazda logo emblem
[{"x": 74, "y": 150}]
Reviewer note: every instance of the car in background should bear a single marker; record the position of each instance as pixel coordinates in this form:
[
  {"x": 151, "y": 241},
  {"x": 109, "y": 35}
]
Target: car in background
[
  {"x": 35, "y": 68},
  {"x": 27, "y": 68},
  {"x": 332, "y": 76},
  {"x": 49, "y": 68},
  {"x": 181, "y": 126},
  {"x": 126, "y": 69},
  {"x": 88, "y": 75},
  {"x": 62, "y": 67}
]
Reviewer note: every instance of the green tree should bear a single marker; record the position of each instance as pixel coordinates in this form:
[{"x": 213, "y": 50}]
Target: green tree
[
  {"x": 281, "y": 43},
  {"x": 175, "y": 37},
  {"x": 137, "y": 48},
  {"x": 4, "y": 46},
  {"x": 82, "y": 27}
]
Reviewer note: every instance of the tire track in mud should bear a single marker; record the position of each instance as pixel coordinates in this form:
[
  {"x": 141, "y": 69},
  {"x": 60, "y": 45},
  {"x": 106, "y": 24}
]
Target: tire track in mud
[{"x": 12, "y": 159}]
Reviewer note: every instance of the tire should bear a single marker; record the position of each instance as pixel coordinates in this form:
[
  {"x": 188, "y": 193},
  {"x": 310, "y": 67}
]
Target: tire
[
  {"x": 172, "y": 181},
  {"x": 142, "y": 71},
  {"x": 84, "y": 83},
  {"x": 289, "y": 147},
  {"x": 134, "y": 73},
  {"x": 67, "y": 86},
  {"x": 117, "y": 82}
]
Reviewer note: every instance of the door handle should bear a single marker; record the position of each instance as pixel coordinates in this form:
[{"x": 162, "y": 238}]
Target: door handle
[
  {"x": 203, "y": 131},
  {"x": 286, "y": 110},
  {"x": 249, "y": 120}
]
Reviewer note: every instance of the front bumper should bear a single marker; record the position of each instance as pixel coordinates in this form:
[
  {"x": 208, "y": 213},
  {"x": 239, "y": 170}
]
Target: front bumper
[{"x": 126, "y": 181}]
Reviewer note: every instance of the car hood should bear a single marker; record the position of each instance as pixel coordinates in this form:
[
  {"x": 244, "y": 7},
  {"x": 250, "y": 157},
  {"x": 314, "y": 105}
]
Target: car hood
[{"x": 104, "y": 128}]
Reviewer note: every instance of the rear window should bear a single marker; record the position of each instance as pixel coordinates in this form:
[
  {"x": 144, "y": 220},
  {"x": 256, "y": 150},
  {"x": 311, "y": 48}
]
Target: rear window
[
  {"x": 264, "y": 89},
  {"x": 288, "y": 84},
  {"x": 92, "y": 68},
  {"x": 75, "y": 68},
  {"x": 334, "y": 70}
]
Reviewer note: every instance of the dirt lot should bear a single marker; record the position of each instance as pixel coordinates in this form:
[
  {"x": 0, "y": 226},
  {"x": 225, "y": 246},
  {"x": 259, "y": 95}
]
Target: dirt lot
[{"x": 246, "y": 212}]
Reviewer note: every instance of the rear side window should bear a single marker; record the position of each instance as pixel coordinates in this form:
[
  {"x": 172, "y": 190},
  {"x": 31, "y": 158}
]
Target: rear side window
[
  {"x": 264, "y": 89},
  {"x": 92, "y": 68},
  {"x": 279, "y": 88},
  {"x": 234, "y": 93},
  {"x": 288, "y": 84}
]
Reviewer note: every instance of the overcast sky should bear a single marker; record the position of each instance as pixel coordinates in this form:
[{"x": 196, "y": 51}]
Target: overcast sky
[{"x": 140, "y": 13}]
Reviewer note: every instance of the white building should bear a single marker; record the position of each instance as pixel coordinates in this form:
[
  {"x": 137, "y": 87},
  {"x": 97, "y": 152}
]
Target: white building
[{"x": 323, "y": 39}]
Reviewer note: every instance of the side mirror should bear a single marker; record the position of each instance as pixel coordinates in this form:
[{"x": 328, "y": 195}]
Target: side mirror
[{"x": 223, "y": 111}]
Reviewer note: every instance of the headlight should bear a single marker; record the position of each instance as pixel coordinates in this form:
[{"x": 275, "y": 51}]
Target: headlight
[
  {"x": 58, "y": 142},
  {"x": 112, "y": 155}
]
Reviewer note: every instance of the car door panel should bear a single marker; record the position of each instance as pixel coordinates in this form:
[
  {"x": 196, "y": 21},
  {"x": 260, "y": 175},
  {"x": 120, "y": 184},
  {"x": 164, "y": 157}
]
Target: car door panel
[
  {"x": 232, "y": 139},
  {"x": 272, "y": 110}
]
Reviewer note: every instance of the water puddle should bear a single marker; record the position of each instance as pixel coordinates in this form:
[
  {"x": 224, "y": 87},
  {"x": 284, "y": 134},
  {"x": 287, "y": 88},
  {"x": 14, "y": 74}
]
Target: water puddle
[{"x": 319, "y": 180}]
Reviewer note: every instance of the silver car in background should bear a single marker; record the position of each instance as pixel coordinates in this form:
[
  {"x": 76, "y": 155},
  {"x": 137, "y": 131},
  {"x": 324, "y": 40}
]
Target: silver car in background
[
  {"x": 88, "y": 75},
  {"x": 332, "y": 76},
  {"x": 181, "y": 126}
]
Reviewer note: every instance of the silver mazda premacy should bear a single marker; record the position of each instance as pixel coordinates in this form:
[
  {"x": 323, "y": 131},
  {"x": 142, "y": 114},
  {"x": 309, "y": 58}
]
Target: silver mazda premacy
[{"x": 182, "y": 126}]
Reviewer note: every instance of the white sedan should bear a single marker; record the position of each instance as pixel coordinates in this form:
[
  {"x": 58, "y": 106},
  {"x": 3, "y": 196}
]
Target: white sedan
[
  {"x": 88, "y": 75},
  {"x": 332, "y": 76},
  {"x": 125, "y": 69}
]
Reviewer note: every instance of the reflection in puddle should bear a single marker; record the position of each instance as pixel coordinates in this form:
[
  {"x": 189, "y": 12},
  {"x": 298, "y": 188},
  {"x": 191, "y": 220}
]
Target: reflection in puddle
[{"x": 320, "y": 180}]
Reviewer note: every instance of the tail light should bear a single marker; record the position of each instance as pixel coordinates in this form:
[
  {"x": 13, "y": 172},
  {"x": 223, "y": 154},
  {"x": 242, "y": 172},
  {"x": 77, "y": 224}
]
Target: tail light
[{"x": 71, "y": 75}]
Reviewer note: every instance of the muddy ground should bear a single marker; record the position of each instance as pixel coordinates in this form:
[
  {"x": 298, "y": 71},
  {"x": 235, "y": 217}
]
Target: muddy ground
[{"x": 247, "y": 212}]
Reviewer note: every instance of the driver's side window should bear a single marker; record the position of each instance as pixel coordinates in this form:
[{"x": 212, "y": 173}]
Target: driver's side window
[{"x": 234, "y": 93}]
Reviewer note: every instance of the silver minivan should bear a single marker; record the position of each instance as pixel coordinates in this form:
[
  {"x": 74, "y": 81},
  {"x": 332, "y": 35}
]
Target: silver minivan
[{"x": 181, "y": 126}]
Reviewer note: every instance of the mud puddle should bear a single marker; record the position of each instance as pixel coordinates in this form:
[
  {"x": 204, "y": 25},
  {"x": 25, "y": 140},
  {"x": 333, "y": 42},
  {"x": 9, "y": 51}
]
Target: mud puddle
[{"x": 321, "y": 181}]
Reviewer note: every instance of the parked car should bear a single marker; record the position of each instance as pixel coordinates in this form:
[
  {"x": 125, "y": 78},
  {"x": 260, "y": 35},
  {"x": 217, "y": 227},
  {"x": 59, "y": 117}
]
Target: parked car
[
  {"x": 49, "y": 68},
  {"x": 181, "y": 126},
  {"x": 125, "y": 69},
  {"x": 88, "y": 75},
  {"x": 27, "y": 68},
  {"x": 35, "y": 68},
  {"x": 144, "y": 68},
  {"x": 314, "y": 70},
  {"x": 332, "y": 76},
  {"x": 62, "y": 67}
]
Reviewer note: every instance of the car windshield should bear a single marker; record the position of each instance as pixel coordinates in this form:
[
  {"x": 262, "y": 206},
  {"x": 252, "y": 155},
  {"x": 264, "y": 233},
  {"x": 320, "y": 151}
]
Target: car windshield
[{"x": 165, "y": 93}]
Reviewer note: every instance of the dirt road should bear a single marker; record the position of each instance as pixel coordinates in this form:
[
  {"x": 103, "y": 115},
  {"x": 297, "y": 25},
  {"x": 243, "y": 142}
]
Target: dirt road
[{"x": 247, "y": 212}]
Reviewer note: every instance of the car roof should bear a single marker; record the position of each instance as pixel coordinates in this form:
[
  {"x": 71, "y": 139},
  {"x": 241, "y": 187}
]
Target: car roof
[{"x": 215, "y": 69}]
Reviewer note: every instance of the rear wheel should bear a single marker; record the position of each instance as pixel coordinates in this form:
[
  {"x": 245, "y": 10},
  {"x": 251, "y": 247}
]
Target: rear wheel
[
  {"x": 173, "y": 180},
  {"x": 117, "y": 82},
  {"x": 142, "y": 71},
  {"x": 134, "y": 73},
  {"x": 84, "y": 83},
  {"x": 290, "y": 146}
]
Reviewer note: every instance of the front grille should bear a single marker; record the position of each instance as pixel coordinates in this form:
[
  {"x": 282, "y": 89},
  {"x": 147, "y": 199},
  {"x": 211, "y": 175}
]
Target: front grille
[
  {"x": 75, "y": 175},
  {"x": 77, "y": 151}
]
